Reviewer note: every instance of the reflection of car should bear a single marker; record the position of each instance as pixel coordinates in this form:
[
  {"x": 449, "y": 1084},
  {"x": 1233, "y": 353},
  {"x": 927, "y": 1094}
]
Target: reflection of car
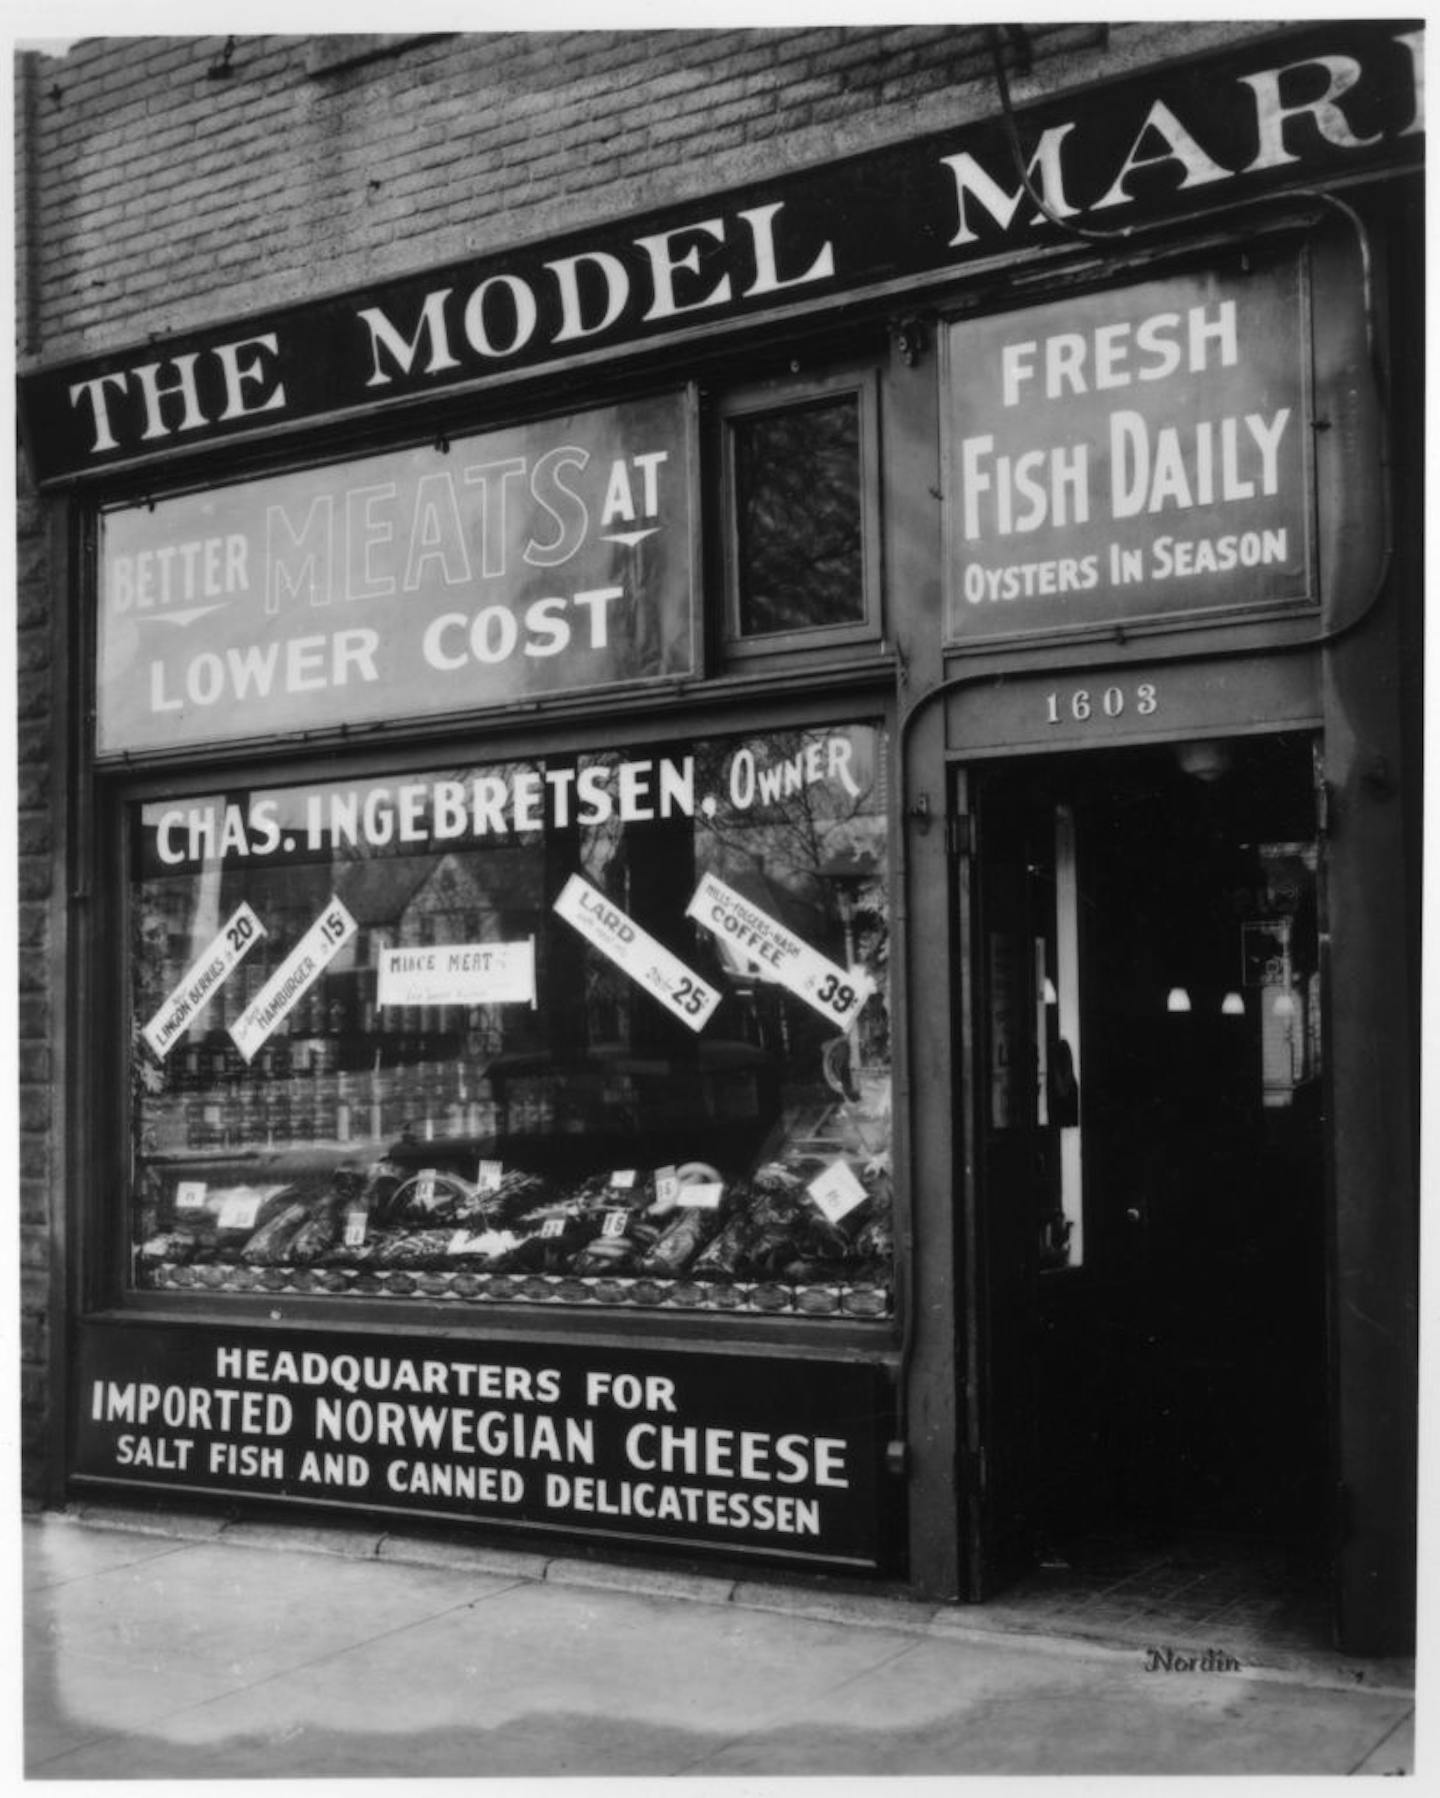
[{"x": 609, "y": 1108}]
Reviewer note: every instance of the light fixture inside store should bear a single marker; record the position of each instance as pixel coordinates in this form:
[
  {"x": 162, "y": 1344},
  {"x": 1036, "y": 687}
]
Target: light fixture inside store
[
  {"x": 1233, "y": 1005},
  {"x": 1283, "y": 1005},
  {"x": 1051, "y": 996},
  {"x": 1177, "y": 999},
  {"x": 1204, "y": 759}
]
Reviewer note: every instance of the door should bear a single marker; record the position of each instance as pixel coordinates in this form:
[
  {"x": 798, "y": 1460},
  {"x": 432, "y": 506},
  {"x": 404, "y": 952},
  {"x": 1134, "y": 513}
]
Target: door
[{"x": 1147, "y": 1343}]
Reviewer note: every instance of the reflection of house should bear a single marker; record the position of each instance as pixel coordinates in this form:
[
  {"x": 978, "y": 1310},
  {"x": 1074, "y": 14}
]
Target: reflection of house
[{"x": 455, "y": 902}]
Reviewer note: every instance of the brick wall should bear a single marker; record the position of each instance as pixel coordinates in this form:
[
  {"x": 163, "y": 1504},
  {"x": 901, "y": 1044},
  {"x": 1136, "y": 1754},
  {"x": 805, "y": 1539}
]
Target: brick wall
[
  {"x": 163, "y": 198},
  {"x": 152, "y": 197},
  {"x": 35, "y": 803}
]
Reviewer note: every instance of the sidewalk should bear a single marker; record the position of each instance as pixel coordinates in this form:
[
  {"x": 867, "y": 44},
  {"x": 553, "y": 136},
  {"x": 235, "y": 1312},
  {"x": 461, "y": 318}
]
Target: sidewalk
[{"x": 215, "y": 1652}]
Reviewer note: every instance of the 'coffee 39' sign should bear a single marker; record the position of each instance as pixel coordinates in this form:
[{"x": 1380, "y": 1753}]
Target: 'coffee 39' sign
[
  {"x": 1302, "y": 105},
  {"x": 543, "y": 559}
]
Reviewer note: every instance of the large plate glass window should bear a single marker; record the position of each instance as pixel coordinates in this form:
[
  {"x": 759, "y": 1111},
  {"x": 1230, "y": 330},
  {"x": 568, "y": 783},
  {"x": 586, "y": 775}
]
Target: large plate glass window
[{"x": 585, "y": 1029}]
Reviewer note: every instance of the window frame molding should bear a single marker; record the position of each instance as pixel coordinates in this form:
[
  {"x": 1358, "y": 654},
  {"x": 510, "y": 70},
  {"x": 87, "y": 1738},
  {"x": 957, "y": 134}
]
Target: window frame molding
[{"x": 792, "y": 392}]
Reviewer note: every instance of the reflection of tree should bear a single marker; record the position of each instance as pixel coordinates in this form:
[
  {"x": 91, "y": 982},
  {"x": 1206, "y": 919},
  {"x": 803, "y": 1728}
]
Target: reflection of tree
[{"x": 788, "y": 840}]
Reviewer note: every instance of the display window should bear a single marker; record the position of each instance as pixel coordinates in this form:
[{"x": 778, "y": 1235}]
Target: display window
[{"x": 583, "y": 1029}]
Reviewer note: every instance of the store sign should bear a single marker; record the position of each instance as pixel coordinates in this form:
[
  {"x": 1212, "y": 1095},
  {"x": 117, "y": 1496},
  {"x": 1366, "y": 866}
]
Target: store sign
[
  {"x": 778, "y": 954},
  {"x": 544, "y": 559},
  {"x": 774, "y": 1457},
  {"x": 200, "y": 982},
  {"x": 295, "y": 976},
  {"x": 1139, "y": 453},
  {"x": 763, "y": 779},
  {"x": 459, "y": 974},
  {"x": 635, "y": 952},
  {"x": 1283, "y": 111}
]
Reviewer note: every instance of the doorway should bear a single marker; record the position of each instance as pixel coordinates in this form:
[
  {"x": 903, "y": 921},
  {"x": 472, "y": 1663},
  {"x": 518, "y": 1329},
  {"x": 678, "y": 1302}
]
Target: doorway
[{"x": 1148, "y": 1356}]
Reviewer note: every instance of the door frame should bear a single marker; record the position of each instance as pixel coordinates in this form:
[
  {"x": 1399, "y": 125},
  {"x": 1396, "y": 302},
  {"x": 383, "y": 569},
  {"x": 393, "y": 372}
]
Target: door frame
[{"x": 989, "y": 1514}]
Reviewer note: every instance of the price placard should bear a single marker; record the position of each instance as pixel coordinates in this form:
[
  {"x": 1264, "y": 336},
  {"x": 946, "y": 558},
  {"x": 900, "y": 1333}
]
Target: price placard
[
  {"x": 290, "y": 982},
  {"x": 238, "y": 1210},
  {"x": 837, "y": 1191},
  {"x": 204, "y": 978},
  {"x": 490, "y": 1175},
  {"x": 667, "y": 1188},
  {"x": 458, "y": 974},
  {"x": 616, "y": 1223},
  {"x": 836, "y": 993},
  {"x": 553, "y": 1226},
  {"x": 648, "y": 963},
  {"x": 190, "y": 1195},
  {"x": 357, "y": 1225},
  {"x": 704, "y": 1197}
]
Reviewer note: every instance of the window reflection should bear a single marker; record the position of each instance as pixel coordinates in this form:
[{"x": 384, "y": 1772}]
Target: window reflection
[{"x": 586, "y": 1029}]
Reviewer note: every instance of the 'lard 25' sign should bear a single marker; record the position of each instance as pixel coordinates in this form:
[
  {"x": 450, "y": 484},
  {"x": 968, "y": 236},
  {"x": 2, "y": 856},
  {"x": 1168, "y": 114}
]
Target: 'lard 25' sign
[{"x": 542, "y": 559}]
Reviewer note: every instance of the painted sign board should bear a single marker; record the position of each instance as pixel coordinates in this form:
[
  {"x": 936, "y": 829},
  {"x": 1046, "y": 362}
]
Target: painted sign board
[
  {"x": 545, "y": 558},
  {"x": 1279, "y": 110},
  {"x": 1113, "y": 702},
  {"x": 1136, "y": 454},
  {"x": 693, "y": 1450}
]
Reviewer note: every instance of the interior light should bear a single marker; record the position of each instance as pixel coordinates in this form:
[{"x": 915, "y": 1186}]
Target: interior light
[
  {"x": 1283, "y": 1006},
  {"x": 1178, "y": 999},
  {"x": 1233, "y": 1005},
  {"x": 1204, "y": 758},
  {"x": 1051, "y": 996}
]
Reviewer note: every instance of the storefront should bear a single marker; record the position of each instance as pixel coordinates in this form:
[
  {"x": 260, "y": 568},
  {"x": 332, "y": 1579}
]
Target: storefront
[{"x": 747, "y": 881}]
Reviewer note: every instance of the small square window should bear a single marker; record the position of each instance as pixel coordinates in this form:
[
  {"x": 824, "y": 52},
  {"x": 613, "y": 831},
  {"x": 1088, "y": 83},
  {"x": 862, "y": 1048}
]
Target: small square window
[
  {"x": 799, "y": 537},
  {"x": 802, "y": 538}
]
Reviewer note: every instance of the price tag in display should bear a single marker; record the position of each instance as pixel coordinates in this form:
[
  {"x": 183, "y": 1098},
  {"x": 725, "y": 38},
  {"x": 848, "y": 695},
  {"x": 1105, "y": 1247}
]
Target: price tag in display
[
  {"x": 836, "y": 993},
  {"x": 667, "y": 1188},
  {"x": 201, "y": 981},
  {"x": 425, "y": 1186},
  {"x": 616, "y": 1223},
  {"x": 705, "y": 1197},
  {"x": 553, "y": 1226},
  {"x": 837, "y": 1191},
  {"x": 238, "y": 1210},
  {"x": 648, "y": 963},
  {"x": 623, "y": 1178},
  {"x": 290, "y": 982},
  {"x": 190, "y": 1195},
  {"x": 357, "y": 1224},
  {"x": 490, "y": 1176}
]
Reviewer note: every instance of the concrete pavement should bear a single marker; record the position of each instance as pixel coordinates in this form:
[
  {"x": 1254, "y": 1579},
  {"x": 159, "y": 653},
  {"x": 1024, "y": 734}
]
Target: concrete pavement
[{"x": 193, "y": 1649}]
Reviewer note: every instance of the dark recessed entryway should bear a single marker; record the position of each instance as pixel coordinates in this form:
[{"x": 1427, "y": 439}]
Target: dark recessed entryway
[{"x": 1149, "y": 1049}]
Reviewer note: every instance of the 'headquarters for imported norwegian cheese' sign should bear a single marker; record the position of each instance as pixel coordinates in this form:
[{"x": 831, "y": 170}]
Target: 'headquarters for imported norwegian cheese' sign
[{"x": 1141, "y": 453}]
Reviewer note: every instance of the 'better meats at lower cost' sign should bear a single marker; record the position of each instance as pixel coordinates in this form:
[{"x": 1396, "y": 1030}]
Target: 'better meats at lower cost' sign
[{"x": 694, "y": 1450}]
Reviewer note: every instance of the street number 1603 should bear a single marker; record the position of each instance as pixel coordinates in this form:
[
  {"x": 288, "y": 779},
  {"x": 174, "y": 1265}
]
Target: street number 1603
[{"x": 1085, "y": 703}]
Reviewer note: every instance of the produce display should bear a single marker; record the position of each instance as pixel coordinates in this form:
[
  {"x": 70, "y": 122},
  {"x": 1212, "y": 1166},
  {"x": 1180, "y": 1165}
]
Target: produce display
[
  {"x": 648, "y": 1228},
  {"x": 607, "y": 1027}
]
